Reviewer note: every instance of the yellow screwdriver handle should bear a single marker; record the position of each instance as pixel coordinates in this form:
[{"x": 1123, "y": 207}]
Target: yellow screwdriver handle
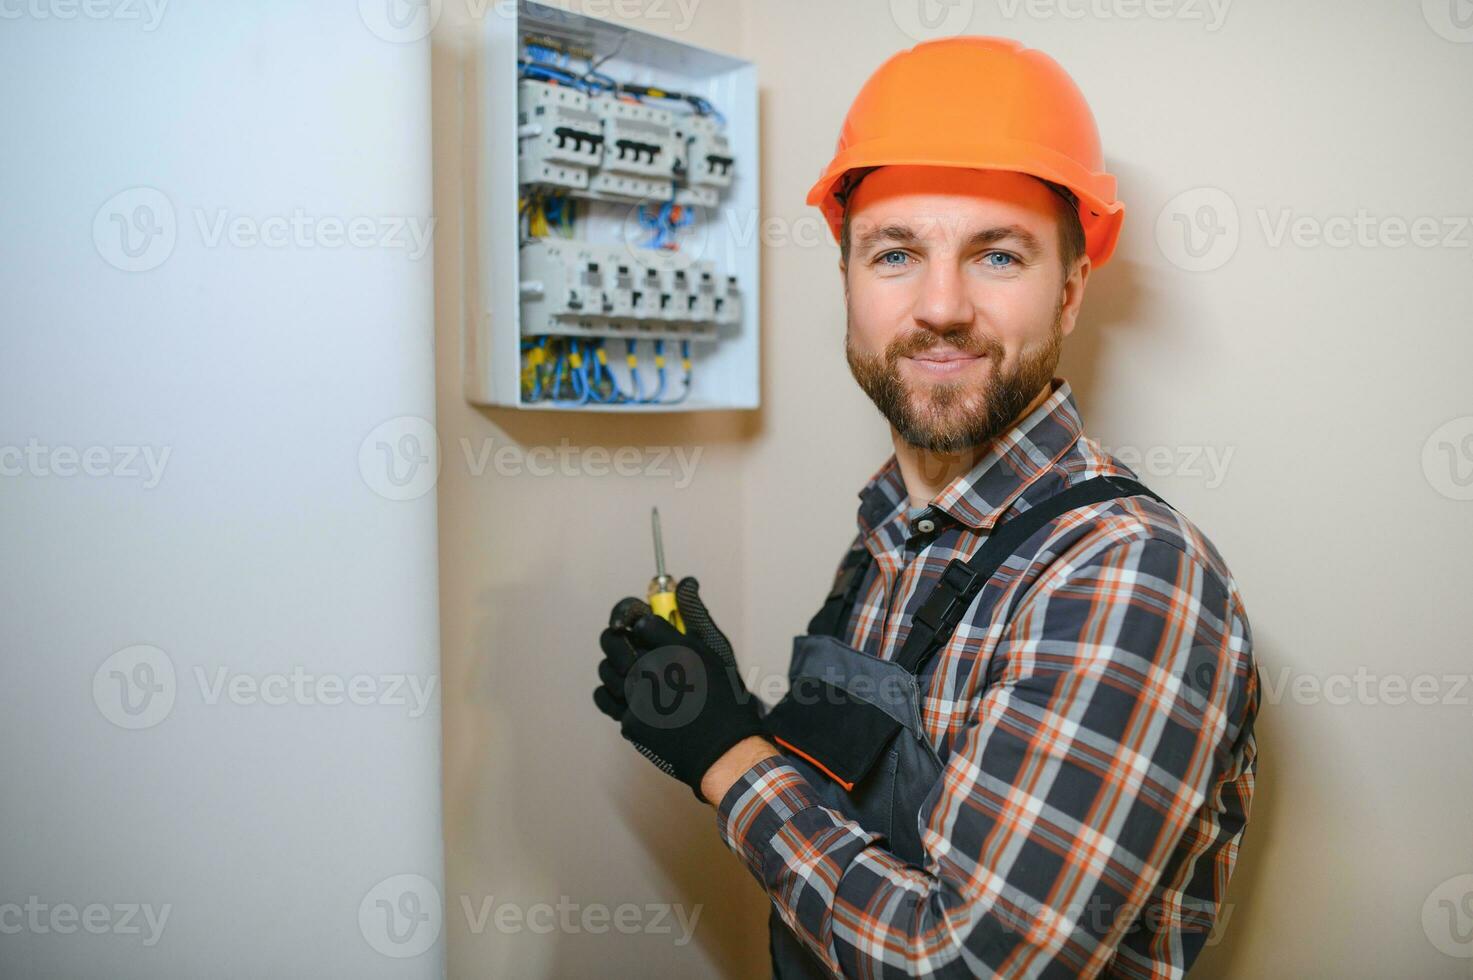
[{"x": 664, "y": 606}]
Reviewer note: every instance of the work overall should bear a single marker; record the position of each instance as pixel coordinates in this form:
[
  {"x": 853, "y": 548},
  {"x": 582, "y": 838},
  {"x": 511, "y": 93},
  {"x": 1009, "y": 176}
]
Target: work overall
[{"x": 851, "y": 723}]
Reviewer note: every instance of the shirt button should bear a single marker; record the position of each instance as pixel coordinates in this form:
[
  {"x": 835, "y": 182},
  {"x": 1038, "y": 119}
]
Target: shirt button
[{"x": 925, "y": 525}]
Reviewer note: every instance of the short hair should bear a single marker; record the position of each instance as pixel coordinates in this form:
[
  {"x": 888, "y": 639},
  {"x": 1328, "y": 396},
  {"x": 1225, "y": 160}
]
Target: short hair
[{"x": 1066, "y": 209}]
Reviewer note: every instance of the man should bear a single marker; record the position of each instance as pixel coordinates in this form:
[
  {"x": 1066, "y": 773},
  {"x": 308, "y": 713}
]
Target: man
[{"x": 1019, "y": 734}]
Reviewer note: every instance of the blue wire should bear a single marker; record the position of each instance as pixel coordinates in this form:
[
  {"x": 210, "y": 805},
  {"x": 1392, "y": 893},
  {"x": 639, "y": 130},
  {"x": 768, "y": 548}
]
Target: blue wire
[
  {"x": 580, "y": 379},
  {"x": 618, "y": 395},
  {"x": 637, "y": 389},
  {"x": 589, "y": 384},
  {"x": 557, "y": 376},
  {"x": 685, "y": 392},
  {"x": 600, "y": 371},
  {"x": 659, "y": 391},
  {"x": 550, "y": 73}
]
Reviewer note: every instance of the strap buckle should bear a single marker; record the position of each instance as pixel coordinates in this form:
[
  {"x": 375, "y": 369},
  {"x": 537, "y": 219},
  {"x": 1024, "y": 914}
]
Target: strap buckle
[{"x": 949, "y": 598}]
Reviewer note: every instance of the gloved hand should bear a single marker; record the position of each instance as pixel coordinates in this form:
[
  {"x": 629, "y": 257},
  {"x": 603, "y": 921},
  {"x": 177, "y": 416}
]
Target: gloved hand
[{"x": 677, "y": 696}]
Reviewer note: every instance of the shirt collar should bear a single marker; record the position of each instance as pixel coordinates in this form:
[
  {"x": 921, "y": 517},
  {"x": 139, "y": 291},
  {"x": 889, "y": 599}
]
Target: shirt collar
[{"x": 980, "y": 496}]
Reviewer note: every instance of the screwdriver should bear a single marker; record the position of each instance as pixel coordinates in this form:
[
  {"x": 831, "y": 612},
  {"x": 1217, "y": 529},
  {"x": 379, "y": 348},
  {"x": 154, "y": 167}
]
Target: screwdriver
[{"x": 662, "y": 586}]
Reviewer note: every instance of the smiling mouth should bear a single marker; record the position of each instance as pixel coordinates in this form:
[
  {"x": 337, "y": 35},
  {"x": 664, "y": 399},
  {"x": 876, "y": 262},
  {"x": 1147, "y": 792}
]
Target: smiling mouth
[{"x": 937, "y": 362}]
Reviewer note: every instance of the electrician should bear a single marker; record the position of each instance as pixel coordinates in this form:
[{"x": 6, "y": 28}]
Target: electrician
[{"x": 1018, "y": 738}]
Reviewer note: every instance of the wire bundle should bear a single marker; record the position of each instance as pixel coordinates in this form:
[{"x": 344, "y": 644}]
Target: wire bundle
[
  {"x": 551, "y": 365},
  {"x": 547, "y": 64}
]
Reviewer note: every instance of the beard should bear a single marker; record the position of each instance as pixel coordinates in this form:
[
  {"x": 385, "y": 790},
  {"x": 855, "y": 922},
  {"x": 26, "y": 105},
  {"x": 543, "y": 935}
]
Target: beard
[{"x": 949, "y": 416}]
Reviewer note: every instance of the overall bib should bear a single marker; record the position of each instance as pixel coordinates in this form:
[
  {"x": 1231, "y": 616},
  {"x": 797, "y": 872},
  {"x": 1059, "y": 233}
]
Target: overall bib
[{"x": 851, "y": 723}]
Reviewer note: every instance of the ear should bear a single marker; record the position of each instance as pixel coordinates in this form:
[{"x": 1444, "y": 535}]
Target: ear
[{"x": 1073, "y": 295}]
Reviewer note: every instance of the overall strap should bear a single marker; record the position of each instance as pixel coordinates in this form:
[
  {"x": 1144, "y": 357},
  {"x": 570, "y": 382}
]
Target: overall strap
[
  {"x": 833, "y": 618},
  {"x": 962, "y": 580}
]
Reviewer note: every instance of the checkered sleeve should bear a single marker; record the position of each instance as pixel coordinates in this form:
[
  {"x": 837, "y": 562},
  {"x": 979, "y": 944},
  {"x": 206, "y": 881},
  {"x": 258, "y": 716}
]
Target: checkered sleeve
[{"x": 1064, "y": 835}]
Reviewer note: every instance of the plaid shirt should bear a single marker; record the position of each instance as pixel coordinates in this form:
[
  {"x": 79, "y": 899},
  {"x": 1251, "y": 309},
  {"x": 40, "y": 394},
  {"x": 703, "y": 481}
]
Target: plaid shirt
[{"x": 1093, "y": 713}]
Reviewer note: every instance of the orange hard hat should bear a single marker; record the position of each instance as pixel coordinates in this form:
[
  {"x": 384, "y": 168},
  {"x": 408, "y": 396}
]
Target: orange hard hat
[{"x": 985, "y": 103}]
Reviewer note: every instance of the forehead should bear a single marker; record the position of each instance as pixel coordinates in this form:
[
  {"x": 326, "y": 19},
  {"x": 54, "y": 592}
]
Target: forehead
[{"x": 947, "y": 202}]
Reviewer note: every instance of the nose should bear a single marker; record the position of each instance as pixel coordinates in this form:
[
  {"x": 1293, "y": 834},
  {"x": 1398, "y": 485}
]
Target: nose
[{"x": 943, "y": 304}]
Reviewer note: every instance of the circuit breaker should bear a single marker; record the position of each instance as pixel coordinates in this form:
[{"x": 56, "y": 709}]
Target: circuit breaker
[{"x": 617, "y": 200}]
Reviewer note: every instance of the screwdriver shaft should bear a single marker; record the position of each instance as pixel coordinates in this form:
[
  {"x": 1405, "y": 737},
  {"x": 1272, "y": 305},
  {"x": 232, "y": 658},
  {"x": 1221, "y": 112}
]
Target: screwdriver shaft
[{"x": 659, "y": 543}]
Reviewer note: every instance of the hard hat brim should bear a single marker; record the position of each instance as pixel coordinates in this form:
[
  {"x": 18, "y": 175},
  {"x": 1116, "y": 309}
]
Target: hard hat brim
[{"x": 1100, "y": 214}]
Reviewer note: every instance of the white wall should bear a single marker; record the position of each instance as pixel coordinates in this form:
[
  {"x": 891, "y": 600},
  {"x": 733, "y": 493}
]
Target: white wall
[{"x": 261, "y": 820}]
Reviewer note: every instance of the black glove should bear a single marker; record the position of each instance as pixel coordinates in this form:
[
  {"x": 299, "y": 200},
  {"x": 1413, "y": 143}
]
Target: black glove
[{"x": 677, "y": 696}]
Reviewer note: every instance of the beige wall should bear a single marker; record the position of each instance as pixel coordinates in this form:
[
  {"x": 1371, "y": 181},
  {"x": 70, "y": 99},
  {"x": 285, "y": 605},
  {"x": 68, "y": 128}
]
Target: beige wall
[{"x": 1317, "y": 373}]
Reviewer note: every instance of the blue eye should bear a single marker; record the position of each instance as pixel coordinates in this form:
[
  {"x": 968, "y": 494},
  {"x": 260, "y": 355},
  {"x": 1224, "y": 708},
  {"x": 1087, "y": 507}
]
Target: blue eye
[
  {"x": 1009, "y": 260},
  {"x": 894, "y": 251}
]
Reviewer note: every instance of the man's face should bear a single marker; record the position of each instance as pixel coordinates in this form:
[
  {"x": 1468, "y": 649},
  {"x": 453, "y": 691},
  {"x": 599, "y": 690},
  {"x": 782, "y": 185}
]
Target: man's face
[{"x": 957, "y": 301}]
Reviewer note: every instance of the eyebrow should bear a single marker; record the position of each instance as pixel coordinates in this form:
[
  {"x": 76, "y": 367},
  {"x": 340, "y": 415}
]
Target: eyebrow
[{"x": 1026, "y": 241}]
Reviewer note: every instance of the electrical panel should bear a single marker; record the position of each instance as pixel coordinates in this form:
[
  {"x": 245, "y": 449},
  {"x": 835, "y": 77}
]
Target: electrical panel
[{"x": 616, "y": 192}]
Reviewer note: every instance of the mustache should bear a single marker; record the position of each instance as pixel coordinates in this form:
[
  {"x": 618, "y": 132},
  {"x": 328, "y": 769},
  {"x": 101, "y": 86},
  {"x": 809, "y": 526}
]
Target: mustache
[{"x": 923, "y": 341}]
